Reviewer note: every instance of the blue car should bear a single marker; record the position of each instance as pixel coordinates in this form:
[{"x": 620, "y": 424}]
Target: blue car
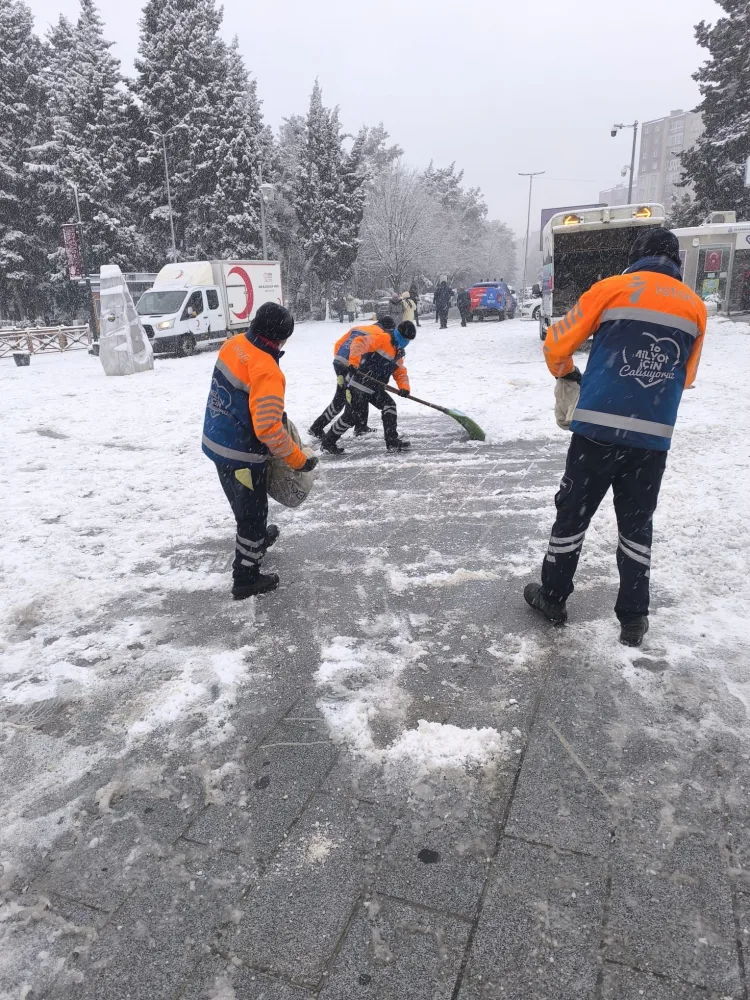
[{"x": 491, "y": 298}]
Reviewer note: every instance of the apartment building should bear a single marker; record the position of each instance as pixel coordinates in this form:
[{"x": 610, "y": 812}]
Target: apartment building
[{"x": 659, "y": 168}]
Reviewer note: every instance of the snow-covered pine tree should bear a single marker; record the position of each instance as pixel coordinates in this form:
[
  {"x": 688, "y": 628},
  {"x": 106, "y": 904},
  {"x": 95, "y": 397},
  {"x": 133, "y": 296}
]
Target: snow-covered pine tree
[
  {"x": 22, "y": 251},
  {"x": 328, "y": 197},
  {"x": 235, "y": 229},
  {"x": 93, "y": 137},
  {"x": 180, "y": 86},
  {"x": 716, "y": 165}
]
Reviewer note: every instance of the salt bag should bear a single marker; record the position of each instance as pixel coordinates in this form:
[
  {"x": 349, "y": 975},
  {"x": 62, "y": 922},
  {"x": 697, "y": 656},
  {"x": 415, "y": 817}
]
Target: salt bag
[{"x": 288, "y": 486}]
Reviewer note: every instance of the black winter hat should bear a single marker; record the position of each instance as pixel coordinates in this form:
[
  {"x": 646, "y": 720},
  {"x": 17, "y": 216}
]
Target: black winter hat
[
  {"x": 655, "y": 242},
  {"x": 407, "y": 329},
  {"x": 387, "y": 323},
  {"x": 273, "y": 322}
]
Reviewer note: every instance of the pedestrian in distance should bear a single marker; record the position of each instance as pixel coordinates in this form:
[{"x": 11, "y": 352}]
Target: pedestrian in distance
[
  {"x": 414, "y": 296},
  {"x": 408, "y": 307},
  {"x": 463, "y": 301},
  {"x": 341, "y": 362},
  {"x": 244, "y": 424},
  {"x": 340, "y": 305},
  {"x": 351, "y": 307},
  {"x": 648, "y": 329},
  {"x": 443, "y": 297},
  {"x": 377, "y": 355}
]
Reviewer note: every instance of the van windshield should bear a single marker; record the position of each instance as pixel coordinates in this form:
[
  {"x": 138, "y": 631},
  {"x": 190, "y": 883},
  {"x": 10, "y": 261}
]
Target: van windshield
[{"x": 156, "y": 303}]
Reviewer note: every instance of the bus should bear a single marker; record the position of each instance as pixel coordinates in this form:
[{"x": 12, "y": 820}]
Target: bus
[
  {"x": 582, "y": 246},
  {"x": 716, "y": 262}
]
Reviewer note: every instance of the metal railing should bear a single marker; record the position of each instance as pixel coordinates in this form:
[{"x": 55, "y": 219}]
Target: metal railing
[{"x": 43, "y": 339}]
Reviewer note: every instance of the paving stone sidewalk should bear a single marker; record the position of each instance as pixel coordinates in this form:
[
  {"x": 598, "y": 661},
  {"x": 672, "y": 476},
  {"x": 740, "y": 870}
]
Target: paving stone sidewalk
[{"x": 605, "y": 855}]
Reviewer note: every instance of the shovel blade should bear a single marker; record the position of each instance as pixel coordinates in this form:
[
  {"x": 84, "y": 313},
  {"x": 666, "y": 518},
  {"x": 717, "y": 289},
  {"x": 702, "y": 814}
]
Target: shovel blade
[{"x": 472, "y": 428}]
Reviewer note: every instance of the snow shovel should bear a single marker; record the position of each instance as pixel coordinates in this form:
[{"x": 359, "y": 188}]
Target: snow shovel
[{"x": 473, "y": 429}]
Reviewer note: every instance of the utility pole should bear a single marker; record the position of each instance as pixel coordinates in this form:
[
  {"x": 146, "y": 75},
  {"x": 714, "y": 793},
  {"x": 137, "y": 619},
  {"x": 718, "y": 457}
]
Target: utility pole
[
  {"x": 615, "y": 129},
  {"x": 163, "y": 137},
  {"x": 531, "y": 177}
]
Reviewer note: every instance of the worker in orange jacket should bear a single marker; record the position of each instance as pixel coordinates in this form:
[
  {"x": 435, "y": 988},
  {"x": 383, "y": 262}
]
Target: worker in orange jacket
[
  {"x": 648, "y": 329},
  {"x": 341, "y": 350},
  {"x": 373, "y": 358},
  {"x": 244, "y": 424}
]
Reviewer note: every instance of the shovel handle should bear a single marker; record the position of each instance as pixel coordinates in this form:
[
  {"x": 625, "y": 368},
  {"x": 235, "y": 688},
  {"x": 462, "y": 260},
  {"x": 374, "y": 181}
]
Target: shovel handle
[{"x": 395, "y": 392}]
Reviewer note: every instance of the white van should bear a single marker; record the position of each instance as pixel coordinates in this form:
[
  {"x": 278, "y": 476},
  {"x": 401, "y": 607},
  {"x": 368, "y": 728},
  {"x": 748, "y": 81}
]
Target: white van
[{"x": 197, "y": 304}]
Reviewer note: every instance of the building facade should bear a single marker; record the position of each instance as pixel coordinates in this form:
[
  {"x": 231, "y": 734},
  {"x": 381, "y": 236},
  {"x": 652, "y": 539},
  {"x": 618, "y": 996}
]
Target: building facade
[
  {"x": 659, "y": 168},
  {"x": 617, "y": 195}
]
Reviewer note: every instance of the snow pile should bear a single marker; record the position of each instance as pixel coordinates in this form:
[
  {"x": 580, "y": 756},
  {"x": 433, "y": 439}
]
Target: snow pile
[{"x": 433, "y": 746}]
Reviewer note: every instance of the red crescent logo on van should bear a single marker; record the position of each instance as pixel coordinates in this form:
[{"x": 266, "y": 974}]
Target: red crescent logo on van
[{"x": 248, "y": 291}]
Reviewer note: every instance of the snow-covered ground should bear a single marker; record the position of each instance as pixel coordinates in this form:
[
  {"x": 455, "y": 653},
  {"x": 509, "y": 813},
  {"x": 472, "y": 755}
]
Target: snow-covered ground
[{"x": 102, "y": 477}]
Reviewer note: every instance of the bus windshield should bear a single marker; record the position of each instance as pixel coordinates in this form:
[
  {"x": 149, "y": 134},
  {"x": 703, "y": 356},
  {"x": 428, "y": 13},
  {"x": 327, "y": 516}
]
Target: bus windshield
[{"x": 155, "y": 303}]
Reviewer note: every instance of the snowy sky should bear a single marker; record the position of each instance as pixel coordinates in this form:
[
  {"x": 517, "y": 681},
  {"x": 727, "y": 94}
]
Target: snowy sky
[{"x": 500, "y": 88}]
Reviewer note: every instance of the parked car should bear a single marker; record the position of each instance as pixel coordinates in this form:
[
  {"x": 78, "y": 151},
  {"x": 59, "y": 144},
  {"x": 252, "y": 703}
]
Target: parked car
[
  {"x": 490, "y": 298},
  {"x": 532, "y": 308}
]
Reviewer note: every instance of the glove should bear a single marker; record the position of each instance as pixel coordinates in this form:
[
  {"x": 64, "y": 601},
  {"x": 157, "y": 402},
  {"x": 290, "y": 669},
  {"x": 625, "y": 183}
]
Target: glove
[
  {"x": 310, "y": 464},
  {"x": 403, "y": 392},
  {"x": 567, "y": 391},
  {"x": 574, "y": 376}
]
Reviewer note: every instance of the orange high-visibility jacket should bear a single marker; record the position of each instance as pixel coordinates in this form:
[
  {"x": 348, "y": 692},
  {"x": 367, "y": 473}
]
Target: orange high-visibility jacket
[
  {"x": 648, "y": 330},
  {"x": 343, "y": 345},
  {"x": 375, "y": 354},
  {"x": 245, "y": 409}
]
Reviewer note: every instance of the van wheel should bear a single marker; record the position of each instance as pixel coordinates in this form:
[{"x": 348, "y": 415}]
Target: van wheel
[
  {"x": 537, "y": 314},
  {"x": 186, "y": 347},
  {"x": 542, "y": 328},
  {"x": 501, "y": 316}
]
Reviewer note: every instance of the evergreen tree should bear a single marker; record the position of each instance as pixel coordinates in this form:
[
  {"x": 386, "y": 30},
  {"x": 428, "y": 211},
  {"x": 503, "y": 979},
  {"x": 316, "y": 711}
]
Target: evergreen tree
[
  {"x": 329, "y": 195},
  {"x": 91, "y": 147},
  {"x": 235, "y": 205},
  {"x": 22, "y": 252},
  {"x": 716, "y": 165},
  {"x": 180, "y": 80}
]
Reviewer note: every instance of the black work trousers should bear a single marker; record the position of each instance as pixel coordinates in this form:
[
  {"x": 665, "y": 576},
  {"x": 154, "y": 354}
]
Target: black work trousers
[
  {"x": 442, "y": 315},
  {"x": 355, "y": 413},
  {"x": 337, "y": 404},
  {"x": 246, "y": 492},
  {"x": 635, "y": 476}
]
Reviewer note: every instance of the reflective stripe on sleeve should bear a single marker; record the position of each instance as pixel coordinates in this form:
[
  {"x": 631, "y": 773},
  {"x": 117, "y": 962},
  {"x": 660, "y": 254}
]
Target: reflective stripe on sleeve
[
  {"x": 623, "y": 423},
  {"x": 236, "y": 456},
  {"x": 651, "y": 316}
]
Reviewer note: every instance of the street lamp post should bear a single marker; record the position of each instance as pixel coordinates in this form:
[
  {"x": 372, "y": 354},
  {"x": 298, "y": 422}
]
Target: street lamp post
[
  {"x": 266, "y": 195},
  {"x": 531, "y": 177},
  {"x": 615, "y": 129},
  {"x": 84, "y": 265},
  {"x": 163, "y": 137}
]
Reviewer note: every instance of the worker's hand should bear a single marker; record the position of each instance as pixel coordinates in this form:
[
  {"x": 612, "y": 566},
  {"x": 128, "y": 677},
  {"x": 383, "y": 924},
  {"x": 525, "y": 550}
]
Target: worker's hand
[
  {"x": 574, "y": 376},
  {"x": 403, "y": 392},
  {"x": 310, "y": 464}
]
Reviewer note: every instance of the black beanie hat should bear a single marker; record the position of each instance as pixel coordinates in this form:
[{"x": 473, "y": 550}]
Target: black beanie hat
[
  {"x": 273, "y": 322},
  {"x": 407, "y": 329},
  {"x": 387, "y": 323},
  {"x": 655, "y": 242}
]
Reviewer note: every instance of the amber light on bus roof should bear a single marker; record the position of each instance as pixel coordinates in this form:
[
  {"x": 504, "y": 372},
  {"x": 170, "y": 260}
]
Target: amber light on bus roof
[
  {"x": 572, "y": 220},
  {"x": 644, "y": 212}
]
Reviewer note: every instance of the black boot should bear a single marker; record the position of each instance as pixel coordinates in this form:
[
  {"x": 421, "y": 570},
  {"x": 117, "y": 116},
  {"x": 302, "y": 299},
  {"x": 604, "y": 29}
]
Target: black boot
[
  {"x": 632, "y": 629},
  {"x": 553, "y": 610},
  {"x": 254, "y": 583},
  {"x": 272, "y": 535},
  {"x": 398, "y": 445},
  {"x": 359, "y": 431},
  {"x": 317, "y": 430},
  {"x": 330, "y": 444}
]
